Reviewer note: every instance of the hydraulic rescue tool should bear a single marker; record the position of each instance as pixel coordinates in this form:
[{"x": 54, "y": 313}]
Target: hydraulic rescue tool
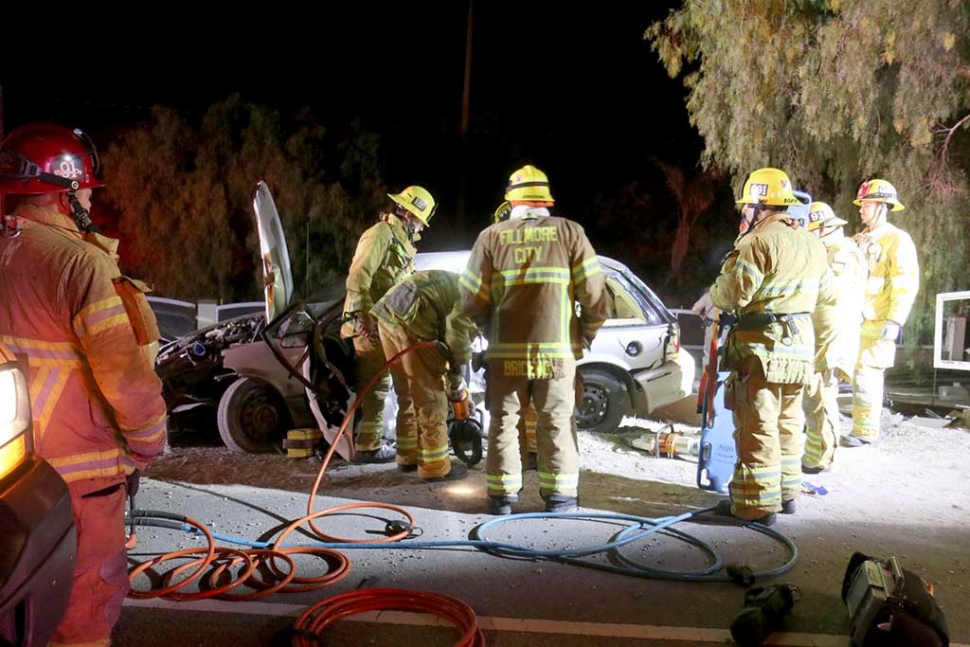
[
  {"x": 668, "y": 443},
  {"x": 889, "y": 605},
  {"x": 464, "y": 425},
  {"x": 717, "y": 454}
]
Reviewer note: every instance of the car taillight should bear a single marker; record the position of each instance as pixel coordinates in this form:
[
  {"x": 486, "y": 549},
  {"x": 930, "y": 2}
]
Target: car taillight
[
  {"x": 672, "y": 343},
  {"x": 14, "y": 418}
]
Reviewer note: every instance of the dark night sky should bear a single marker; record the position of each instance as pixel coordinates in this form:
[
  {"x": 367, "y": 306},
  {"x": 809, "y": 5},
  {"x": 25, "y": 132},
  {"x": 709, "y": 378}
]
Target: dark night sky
[{"x": 576, "y": 92}]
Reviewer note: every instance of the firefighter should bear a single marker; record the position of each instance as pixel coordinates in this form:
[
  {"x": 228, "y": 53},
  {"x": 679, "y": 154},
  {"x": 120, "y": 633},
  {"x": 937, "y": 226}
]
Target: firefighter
[
  {"x": 384, "y": 256},
  {"x": 836, "y": 357},
  {"x": 890, "y": 291},
  {"x": 420, "y": 308},
  {"x": 527, "y": 425},
  {"x": 521, "y": 286},
  {"x": 771, "y": 281},
  {"x": 87, "y": 334}
]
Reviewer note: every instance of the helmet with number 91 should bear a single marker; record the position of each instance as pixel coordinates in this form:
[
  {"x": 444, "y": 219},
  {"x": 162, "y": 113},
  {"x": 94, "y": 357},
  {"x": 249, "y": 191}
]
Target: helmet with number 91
[
  {"x": 768, "y": 186},
  {"x": 821, "y": 215},
  {"x": 48, "y": 158}
]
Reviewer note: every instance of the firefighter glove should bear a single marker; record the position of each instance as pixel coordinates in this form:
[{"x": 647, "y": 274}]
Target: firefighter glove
[
  {"x": 890, "y": 332},
  {"x": 132, "y": 481},
  {"x": 456, "y": 387},
  {"x": 365, "y": 326}
]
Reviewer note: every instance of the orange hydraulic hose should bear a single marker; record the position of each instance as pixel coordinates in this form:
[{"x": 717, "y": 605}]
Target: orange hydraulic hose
[
  {"x": 326, "y": 612},
  {"x": 326, "y": 461}
]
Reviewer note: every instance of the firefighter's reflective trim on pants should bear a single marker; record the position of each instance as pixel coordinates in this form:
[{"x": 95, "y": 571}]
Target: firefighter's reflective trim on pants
[
  {"x": 821, "y": 406},
  {"x": 791, "y": 473},
  {"x": 565, "y": 483},
  {"x": 527, "y": 439},
  {"x": 407, "y": 445},
  {"x": 503, "y": 484},
  {"x": 756, "y": 486},
  {"x": 867, "y": 394},
  {"x": 369, "y": 361},
  {"x": 769, "y": 425},
  {"x": 369, "y": 435},
  {"x": 432, "y": 454}
]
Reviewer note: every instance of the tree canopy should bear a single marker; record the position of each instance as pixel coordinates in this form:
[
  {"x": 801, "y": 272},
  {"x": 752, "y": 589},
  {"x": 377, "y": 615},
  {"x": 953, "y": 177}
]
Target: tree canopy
[
  {"x": 836, "y": 92},
  {"x": 183, "y": 194}
]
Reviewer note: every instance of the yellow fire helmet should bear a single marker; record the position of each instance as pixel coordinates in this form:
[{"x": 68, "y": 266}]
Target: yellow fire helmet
[
  {"x": 503, "y": 213},
  {"x": 418, "y": 201},
  {"x": 530, "y": 185},
  {"x": 878, "y": 191},
  {"x": 821, "y": 215},
  {"x": 769, "y": 186}
]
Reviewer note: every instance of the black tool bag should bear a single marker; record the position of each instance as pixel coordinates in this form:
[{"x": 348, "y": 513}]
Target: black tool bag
[{"x": 890, "y": 606}]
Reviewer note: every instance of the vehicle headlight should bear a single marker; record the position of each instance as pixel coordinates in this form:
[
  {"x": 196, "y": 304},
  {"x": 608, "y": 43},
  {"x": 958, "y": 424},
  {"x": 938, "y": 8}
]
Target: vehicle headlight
[{"x": 14, "y": 418}]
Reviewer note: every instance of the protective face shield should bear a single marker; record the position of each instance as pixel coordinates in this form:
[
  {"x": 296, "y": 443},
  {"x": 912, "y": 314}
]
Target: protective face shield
[{"x": 529, "y": 185}]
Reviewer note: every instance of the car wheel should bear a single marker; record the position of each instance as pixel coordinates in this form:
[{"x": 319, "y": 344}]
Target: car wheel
[
  {"x": 252, "y": 416},
  {"x": 603, "y": 404}
]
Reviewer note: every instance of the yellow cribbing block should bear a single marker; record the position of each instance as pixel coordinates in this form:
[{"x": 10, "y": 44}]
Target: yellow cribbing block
[
  {"x": 300, "y": 443},
  {"x": 304, "y": 434}
]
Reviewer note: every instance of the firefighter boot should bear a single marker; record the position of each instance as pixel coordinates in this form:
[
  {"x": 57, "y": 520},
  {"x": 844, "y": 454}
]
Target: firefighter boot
[
  {"x": 383, "y": 455},
  {"x": 502, "y": 505},
  {"x": 560, "y": 503},
  {"x": 724, "y": 509}
]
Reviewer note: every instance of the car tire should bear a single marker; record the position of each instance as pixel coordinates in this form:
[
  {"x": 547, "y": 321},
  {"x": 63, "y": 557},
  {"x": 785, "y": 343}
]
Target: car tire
[
  {"x": 603, "y": 402},
  {"x": 252, "y": 417}
]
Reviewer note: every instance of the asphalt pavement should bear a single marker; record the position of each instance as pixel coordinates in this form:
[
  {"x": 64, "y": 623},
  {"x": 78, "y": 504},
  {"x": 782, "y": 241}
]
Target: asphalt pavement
[{"x": 517, "y": 601}]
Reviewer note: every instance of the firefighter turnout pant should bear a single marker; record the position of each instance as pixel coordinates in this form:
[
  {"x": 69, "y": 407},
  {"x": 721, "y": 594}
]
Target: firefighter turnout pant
[
  {"x": 369, "y": 362},
  {"x": 768, "y": 428},
  {"x": 821, "y": 405},
  {"x": 101, "y": 570},
  {"x": 419, "y": 383},
  {"x": 509, "y": 400},
  {"x": 875, "y": 356}
]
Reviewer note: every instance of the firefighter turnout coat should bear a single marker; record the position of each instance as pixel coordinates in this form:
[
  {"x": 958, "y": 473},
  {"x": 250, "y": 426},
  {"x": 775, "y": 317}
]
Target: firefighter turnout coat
[
  {"x": 890, "y": 292},
  {"x": 384, "y": 256},
  {"x": 421, "y": 308},
  {"x": 772, "y": 281},
  {"x": 83, "y": 332},
  {"x": 836, "y": 356},
  {"x": 524, "y": 279}
]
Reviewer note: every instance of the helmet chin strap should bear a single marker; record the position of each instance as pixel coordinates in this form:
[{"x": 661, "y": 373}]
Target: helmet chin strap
[
  {"x": 881, "y": 216},
  {"x": 81, "y": 215}
]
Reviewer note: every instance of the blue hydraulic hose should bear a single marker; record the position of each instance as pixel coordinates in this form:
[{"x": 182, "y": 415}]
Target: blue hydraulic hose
[{"x": 638, "y": 528}]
